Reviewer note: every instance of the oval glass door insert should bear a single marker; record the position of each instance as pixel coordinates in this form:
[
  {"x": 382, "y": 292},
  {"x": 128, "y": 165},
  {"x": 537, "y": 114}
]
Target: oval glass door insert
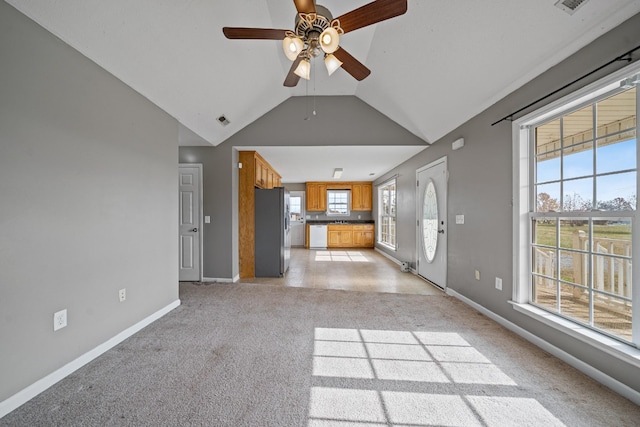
[{"x": 430, "y": 221}]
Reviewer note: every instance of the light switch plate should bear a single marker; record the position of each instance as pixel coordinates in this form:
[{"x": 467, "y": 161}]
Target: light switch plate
[
  {"x": 207, "y": 219},
  {"x": 459, "y": 219}
]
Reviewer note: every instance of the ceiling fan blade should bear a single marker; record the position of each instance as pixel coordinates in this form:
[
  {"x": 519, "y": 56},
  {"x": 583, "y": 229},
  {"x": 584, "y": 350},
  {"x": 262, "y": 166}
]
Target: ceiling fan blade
[
  {"x": 351, "y": 65},
  {"x": 371, "y": 13},
  {"x": 292, "y": 79},
  {"x": 254, "y": 33},
  {"x": 305, "y": 6}
]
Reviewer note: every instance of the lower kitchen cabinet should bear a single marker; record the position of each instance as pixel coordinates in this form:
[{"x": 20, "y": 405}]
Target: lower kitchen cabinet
[
  {"x": 350, "y": 236},
  {"x": 363, "y": 236}
]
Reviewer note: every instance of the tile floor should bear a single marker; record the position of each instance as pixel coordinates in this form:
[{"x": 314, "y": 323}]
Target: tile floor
[{"x": 363, "y": 270}]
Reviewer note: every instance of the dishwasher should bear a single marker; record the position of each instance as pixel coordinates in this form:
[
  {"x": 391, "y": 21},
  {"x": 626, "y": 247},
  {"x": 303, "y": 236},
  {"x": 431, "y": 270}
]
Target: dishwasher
[{"x": 317, "y": 236}]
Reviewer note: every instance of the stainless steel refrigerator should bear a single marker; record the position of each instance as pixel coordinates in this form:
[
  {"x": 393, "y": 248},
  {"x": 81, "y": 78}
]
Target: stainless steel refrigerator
[{"x": 272, "y": 232}]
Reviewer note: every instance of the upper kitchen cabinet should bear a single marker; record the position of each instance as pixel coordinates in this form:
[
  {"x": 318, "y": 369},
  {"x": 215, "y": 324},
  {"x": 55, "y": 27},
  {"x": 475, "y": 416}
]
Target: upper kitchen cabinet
[
  {"x": 361, "y": 198},
  {"x": 316, "y": 196},
  {"x": 361, "y": 193},
  {"x": 264, "y": 175}
]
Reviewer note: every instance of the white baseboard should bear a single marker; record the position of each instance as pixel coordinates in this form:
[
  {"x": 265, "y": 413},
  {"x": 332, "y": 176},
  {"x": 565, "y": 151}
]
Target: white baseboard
[
  {"x": 386, "y": 255},
  {"x": 601, "y": 377},
  {"x": 42, "y": 384},
  {"x": 221, "y": 279}
]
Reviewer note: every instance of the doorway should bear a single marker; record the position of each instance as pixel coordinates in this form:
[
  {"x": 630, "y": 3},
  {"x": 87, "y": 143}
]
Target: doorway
[
  {"x": 296, "y": 203},
  {"x": 189, "y": 222},
  {"x": 431, "y": 212}
]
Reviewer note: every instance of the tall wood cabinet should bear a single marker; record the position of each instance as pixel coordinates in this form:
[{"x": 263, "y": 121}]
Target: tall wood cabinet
[{"x": 255, "y": 172}]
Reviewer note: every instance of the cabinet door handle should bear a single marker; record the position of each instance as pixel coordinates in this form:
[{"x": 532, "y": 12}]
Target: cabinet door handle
[{"x": 195, "y": 230}]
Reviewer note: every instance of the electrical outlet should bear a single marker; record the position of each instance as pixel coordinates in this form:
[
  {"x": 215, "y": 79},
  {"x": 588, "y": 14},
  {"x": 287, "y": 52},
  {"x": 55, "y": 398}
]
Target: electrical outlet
[
  {"x": 122, "y": 293},
  {"x": 477, "y": 274},
  {"x": 59, "y": 319},
  {"x": 498, "y": 283}
]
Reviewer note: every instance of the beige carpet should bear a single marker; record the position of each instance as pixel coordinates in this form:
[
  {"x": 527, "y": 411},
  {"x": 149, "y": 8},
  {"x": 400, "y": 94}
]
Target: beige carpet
[{"x": 265, "y": 355}]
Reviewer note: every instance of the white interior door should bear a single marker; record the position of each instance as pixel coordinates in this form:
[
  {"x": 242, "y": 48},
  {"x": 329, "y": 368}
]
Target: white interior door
[
  {"x": 296, "y": 201},
  {"x": 189, "y": 222},
  {"x": 432, "y": 222}
]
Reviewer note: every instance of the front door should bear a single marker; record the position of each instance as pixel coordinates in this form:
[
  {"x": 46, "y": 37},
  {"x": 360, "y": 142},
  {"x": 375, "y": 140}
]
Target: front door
[
  {"x": 189, "y": 222},
  {"x": 432, "y": 222},
  {"x": 296, "y": 201}
]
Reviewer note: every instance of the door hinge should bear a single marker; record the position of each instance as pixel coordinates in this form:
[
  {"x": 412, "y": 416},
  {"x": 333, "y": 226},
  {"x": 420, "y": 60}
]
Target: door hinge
[
  {"x": 417, "y": 223},
  {"x": 417, "y": 183}
]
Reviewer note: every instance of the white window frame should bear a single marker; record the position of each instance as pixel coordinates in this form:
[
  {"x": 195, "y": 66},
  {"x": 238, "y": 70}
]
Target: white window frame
[
  {"x": 522, "y": 201},
  {"x": 348, "y": 203},
  {"x": 381, "y": 214}
]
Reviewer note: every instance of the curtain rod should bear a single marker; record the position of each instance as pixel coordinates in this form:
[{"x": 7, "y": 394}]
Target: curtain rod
[{"x": 624, "y": 57}]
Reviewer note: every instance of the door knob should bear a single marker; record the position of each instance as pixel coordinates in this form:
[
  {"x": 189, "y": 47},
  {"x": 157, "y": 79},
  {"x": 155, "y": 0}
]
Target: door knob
[
  {"x": 195, "y": 230},
  {"x": 440, "y": 231}
]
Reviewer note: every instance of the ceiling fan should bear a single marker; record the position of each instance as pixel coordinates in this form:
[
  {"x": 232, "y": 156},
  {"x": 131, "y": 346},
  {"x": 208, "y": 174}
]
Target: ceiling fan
[{"x": 317, "y": 33}]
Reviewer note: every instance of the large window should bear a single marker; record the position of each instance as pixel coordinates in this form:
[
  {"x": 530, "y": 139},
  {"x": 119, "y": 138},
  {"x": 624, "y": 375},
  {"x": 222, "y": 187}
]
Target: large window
[
  {"x": 387, "y": 214},
  {"x": 581, "y": 209}
]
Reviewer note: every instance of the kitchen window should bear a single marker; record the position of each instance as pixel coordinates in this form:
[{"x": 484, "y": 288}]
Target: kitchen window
[{"x": 338, "y": 202}]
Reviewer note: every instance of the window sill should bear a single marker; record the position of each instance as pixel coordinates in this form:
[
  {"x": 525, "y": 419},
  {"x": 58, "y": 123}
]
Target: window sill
[{"x": 617, "y": 349}]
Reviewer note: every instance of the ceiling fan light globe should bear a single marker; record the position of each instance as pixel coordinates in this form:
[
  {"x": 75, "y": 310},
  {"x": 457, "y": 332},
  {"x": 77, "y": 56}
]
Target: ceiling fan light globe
[
  {"x": 332, "y": 63},
  {"x": 292, "y": 47},
  {"x": 329, "y": 40},
  {"x": 303, "y": 70}
]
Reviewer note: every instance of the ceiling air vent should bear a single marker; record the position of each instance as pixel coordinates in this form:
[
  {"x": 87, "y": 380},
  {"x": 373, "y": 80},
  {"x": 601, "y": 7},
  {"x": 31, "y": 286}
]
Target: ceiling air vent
[
  {"x": 223, "y": 120},
  {"x": 570, "y": 6}
]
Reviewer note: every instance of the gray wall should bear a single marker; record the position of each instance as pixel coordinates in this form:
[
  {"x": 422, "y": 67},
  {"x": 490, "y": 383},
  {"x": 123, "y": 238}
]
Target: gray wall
[
  {"x": 340, "y": 120},
  {"x": 480, "y": 187},
  {"x": 88, "y": 183}
]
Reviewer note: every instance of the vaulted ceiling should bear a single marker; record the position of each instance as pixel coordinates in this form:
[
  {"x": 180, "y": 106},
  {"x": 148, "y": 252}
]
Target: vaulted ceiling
[{"x": 433, "y": 68}]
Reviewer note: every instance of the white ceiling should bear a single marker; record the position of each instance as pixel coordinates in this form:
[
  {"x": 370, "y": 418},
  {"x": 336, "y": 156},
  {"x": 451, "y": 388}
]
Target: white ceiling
[
  {"x": 358, "y": 164},
  {"x": 423, "y": 63}
]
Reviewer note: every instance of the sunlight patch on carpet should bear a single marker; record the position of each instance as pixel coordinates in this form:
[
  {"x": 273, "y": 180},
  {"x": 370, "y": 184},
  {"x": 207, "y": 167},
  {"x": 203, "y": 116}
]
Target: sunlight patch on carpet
[{"x": 401, "y": 359}]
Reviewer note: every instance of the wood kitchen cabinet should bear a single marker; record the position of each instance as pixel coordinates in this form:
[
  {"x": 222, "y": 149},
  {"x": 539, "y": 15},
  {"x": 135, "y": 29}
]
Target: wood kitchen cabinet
[
  {"x": 350, "y": 235},
  {"x": 316, "y": 195},
  {"x": 361, "y": 196},
  {"x": 264, "y": 175},
  {"x": 255, "y": 172},
  {"x": 339, "y": 236},
  {"x": 363, "y": 236}
]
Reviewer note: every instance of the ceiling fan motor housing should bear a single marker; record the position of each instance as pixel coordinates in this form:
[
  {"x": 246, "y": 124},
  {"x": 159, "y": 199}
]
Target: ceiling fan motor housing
[{"x": 309, "y": 30}]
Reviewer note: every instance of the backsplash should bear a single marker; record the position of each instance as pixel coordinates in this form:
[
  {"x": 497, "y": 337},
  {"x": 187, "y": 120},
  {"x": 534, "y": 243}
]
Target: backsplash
[{"x": 354, "y": 216}]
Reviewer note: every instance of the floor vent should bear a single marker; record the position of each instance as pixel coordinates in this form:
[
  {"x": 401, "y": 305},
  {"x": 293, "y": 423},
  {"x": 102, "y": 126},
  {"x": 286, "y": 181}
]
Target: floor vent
[{"x": 570, "y": 6}]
